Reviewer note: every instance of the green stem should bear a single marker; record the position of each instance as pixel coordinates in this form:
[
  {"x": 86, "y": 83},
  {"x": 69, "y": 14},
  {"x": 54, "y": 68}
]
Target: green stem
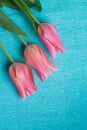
[
  {"x": 23, "y": 41},
  {"x": 24, "y": 7},
  {"x": 6, "y": 52}
]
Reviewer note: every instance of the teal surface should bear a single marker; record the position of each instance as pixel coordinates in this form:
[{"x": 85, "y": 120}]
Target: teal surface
[{"x": 61, "y": 101}]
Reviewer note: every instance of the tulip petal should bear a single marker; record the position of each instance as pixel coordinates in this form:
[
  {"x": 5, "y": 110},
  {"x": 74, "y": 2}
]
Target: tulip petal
[
  {"x": 42, "y": 70},
  {"x": 48, "y": 44},
  {"x": 31, "y": 78},
  {"x": 51, "y": 34},
  {"x": 46, "y": 61},
  {"x": 24, "y": 74},
  {"x": 16, "y": 82}
]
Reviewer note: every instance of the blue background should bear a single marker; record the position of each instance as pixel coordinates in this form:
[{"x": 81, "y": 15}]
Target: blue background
[{"x": 61, "y": 101}]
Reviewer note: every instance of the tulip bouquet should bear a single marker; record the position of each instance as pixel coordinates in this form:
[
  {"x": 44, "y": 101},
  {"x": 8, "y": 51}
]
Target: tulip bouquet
[{"x": 20, "y": 73}]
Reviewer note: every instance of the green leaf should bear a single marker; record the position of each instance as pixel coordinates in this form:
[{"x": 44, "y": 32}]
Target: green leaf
[
  {"x": 8, "y": 3},
  {"x": 31, "y": 3},
  {"x": 34, "y": 4},
  {"x": 10, "y": 26}
]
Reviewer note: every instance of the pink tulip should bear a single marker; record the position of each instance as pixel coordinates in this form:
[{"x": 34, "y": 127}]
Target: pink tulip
[
  {"x": 23, "y": 79},
  {"x": 50, "y": 38},
  {"x": 35, "y": 57}
]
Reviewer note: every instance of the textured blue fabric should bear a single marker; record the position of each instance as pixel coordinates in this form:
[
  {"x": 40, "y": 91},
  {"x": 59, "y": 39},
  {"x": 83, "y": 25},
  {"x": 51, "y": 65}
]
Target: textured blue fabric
[{"x": 61, "y": 101}]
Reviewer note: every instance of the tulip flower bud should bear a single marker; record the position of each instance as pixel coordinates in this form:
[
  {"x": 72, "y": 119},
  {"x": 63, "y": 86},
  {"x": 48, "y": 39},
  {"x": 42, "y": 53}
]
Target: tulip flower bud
[
  {"x": 23, "y": 79},
  {"x": 50, "y": 38},
  {"x": 35, "y": 57}
]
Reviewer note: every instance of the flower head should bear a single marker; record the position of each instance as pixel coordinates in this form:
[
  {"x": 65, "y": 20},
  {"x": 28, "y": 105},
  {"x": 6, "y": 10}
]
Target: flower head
[
  {"x": 23, "y": 79},
  {"x": 50, "y": 38},
  {"x": 35, "y": 57}
]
